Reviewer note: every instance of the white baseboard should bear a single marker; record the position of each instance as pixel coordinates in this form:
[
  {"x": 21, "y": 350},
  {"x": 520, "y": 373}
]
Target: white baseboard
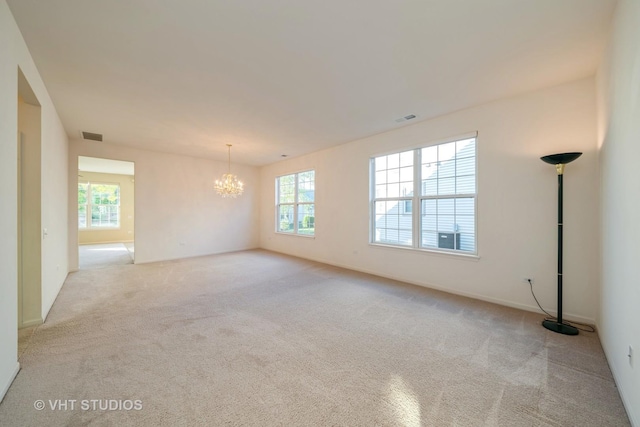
[
  {"x": 30, "y": 323},
  {"x": 9, "y": 381},
  {"x": 507, "y": 303},
  {"x": 224, "y": 251}
]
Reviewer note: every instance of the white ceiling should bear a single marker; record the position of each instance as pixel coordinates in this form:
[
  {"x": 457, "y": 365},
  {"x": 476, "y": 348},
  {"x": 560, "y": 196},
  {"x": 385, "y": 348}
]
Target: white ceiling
[{"x": 291, "y": 77}]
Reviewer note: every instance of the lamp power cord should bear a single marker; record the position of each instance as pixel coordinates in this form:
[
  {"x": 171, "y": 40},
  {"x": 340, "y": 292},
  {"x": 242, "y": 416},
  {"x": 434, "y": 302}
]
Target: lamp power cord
[{"x": 586, "y": 327}]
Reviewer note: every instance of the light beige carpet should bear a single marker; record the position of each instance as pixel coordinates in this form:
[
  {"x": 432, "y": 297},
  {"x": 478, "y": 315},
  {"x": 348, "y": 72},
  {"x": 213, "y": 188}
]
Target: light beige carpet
[
  {"x": 104, "y": 255},
  {"x": 256, "y": 338}
]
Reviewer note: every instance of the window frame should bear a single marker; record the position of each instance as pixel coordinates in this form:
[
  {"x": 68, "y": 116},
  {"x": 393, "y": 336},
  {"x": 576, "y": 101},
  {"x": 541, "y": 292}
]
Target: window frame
[
  {"x": 89, "y": 207},
  {"x": 85, "y": 204},
  {"x": 296, "y": 204},
  {"x": 417, "y": 198}
]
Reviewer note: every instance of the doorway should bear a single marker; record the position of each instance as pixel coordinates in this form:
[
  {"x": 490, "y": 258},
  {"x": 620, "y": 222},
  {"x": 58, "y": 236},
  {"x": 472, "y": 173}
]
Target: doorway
[
  {"x": 106, "y": 193},
  {"x": 29, "y": 207}
]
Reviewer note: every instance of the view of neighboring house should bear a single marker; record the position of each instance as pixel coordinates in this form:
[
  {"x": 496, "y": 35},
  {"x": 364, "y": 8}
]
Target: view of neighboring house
[{"x": 446, "y": 201}]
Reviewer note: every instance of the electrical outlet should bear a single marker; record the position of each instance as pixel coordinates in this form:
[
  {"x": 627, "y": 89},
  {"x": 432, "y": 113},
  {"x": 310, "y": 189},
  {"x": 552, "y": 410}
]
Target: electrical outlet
[{"x": 527, "y": 280}]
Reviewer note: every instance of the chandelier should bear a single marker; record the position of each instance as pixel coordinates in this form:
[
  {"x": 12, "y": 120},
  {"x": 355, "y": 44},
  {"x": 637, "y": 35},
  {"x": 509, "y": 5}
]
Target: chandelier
[{"x": 229, "y": 185}]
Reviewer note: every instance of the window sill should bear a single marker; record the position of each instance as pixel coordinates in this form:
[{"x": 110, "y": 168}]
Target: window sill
[
  {"x": 465, "y": 256},
  {"x": 306, "y": 236},
  {"x": 99, "y": 229}
]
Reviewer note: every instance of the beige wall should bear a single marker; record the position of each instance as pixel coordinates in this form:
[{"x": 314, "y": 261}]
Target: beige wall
[
  {"x": 178, "y": 214},
  {"x": 54, "y": 191},
  {"x": 517, "y": 203},
  {"x": 619, "y": 137},
  {"x": 125, "y": 232}
]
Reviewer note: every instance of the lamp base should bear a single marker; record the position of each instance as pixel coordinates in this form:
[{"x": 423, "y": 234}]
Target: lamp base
[{"x": 560, "y": 328}]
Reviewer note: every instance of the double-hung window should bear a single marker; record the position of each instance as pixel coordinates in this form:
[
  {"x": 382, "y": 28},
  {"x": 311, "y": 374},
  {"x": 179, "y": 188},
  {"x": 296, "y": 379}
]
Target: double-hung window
[
  {"x": 98, "y": 205},
  {"x": 295, "y": 203},
  {"x": 425, "y": 198}
]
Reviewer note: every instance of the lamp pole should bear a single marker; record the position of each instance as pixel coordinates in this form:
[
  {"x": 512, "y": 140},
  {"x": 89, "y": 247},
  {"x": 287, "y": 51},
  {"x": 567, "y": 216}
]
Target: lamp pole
[{"x": 560, "y": 160}]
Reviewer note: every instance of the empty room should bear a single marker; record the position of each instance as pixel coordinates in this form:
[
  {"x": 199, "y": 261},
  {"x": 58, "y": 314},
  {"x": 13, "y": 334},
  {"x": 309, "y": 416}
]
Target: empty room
[{"x": 414, "y": 213}]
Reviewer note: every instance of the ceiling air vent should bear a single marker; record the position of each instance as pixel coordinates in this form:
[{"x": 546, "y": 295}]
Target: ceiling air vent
[
  {"x": 92, "y": 136},
  {"x": 405, "y": 118}
]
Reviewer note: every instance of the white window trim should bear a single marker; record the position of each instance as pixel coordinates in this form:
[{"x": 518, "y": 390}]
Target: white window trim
[
  {"x": 417, "y": 201},
  {"x": 89, "y": 204},
  {"x": 295, "y": 205},
  {"x": 439, "y": 252}
]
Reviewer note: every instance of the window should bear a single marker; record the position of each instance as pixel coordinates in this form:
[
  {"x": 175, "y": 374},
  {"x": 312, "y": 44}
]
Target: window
[
  {"x": 295, "y": 203},
  {"x": 98, "y": 205},
  {"x": 426, "y": 198}
]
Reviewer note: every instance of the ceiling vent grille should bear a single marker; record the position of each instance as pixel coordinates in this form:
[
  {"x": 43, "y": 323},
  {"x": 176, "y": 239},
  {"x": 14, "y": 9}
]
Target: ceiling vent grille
[
  {"x": 405, "y": 118},
  {"x": 92, "y": 136}
]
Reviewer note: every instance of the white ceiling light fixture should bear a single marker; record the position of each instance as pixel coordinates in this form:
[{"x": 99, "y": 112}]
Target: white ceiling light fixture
[{"x": 229, "y": 185}]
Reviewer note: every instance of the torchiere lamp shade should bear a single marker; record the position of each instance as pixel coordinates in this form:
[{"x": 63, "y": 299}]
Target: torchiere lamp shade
[{"x": 560, "y": 159}]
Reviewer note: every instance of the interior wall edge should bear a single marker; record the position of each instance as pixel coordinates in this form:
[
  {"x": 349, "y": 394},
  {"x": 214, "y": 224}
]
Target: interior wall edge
[
  {"x": 47, "y": 308},
  {"x": 7, "y": 384},
  {"x": 616, "y": 379}
]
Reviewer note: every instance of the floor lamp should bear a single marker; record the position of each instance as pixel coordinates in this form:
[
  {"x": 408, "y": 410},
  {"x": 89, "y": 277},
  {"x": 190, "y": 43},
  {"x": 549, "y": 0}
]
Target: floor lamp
[{"x": 559, "y": 160}]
